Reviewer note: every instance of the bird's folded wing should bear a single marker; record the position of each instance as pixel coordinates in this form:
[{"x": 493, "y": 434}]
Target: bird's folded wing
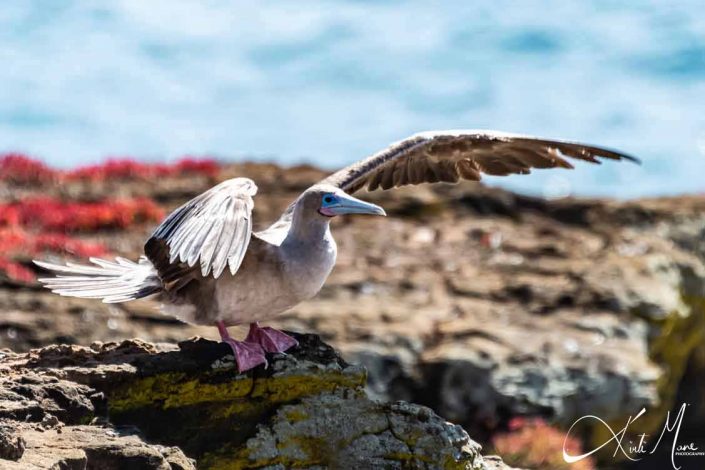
[
  {"x": 212, "y": 229},
  {"x": 449, "y": 156}
]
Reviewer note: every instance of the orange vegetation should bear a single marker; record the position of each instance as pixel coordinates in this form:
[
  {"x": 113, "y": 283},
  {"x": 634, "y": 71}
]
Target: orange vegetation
[
  {"x": 18, "y": 246},
  {"x": 21, "y": 169},
  {"x": 53, "y": 215},
  {"x": 50, "y": 220},
  {"x": 36, "y": 226},
  {"x": 532, "y": 443},
  {"x": 130, "y": 169}
]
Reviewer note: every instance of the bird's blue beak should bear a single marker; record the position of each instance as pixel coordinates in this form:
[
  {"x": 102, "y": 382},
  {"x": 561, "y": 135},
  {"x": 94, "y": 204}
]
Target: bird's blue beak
[{"x": 347, "y": 204}]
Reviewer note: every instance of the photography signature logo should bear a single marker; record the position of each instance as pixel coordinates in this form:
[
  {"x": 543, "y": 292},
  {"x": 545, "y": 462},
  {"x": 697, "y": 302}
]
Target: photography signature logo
[{"x": 636, "y": 451}]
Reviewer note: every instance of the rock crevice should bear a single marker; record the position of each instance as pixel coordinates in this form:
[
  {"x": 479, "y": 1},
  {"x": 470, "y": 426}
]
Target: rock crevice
[{"x": 163, "y": 406}]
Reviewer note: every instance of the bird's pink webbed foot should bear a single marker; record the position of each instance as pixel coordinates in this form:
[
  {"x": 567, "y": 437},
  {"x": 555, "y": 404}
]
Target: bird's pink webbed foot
[
  {"x": 248, "y": 355},
  {"x": 270, "y": 339}
]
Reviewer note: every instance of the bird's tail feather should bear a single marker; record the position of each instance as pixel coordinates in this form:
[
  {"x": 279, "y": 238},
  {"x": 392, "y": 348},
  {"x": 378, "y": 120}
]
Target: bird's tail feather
[{"x": 118, "y": 281}]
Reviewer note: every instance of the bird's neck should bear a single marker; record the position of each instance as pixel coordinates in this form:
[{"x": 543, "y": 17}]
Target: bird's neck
[{"x": 307, "y": 228}]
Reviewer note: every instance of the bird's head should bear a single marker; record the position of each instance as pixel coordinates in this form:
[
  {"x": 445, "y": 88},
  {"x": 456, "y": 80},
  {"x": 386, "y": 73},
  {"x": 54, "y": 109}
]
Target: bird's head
[{"x": 329, "y": 201}]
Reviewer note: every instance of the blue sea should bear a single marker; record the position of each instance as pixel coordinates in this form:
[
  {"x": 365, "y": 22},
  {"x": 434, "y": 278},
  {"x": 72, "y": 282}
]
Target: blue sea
[{"x": 329, "y": 82}]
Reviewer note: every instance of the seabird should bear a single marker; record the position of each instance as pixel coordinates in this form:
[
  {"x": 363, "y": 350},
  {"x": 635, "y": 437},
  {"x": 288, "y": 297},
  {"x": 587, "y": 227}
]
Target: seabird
[{"x": 207, "y": 266}]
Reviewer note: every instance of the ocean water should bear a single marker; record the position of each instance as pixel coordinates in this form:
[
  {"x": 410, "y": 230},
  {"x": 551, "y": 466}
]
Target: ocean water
[{"x": 331, "y": 82}]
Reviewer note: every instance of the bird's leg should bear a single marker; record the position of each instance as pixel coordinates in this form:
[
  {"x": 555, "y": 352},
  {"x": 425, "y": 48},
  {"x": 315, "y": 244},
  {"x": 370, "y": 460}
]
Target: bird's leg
[
  {"x": 248, "y": 355},
  {"x": 270, "y": 339}
]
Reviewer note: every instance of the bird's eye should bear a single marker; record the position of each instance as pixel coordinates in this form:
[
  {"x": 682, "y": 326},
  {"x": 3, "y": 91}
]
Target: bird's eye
[{"x": 328, "y": 199}]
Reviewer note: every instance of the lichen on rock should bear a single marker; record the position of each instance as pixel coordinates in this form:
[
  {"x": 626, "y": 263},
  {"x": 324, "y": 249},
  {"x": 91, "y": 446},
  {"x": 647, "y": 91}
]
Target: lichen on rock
[
  {"x": 377, "y": 435},
  {"x": 140, "y": 405}
]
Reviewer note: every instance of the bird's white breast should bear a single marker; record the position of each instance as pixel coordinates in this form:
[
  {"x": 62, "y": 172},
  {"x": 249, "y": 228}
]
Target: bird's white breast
[
  {"x": 308, "y": 267},
  {"x": 275, "y": 280}
]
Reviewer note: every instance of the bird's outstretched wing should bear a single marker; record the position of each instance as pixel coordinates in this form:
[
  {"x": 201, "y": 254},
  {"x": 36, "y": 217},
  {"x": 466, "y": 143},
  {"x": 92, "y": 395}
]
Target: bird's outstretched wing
[
  {"x": 448, "y": 156},
  {"x": 212, "y": 229}
]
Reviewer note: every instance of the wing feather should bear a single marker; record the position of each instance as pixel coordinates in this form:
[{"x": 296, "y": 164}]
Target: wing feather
[
  {"x": 212, "y": 231},
  {"x": 448, "y": 156}
]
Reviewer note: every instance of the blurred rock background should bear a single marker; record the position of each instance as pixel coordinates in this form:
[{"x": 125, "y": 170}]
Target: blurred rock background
[
  {"x": 501, "y": 312},
  {"x": 509, "y": 314}
]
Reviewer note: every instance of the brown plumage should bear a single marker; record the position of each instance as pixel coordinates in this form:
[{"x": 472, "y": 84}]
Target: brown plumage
[
  {"x": 275, "y": 269},
  {"x": 448, "y": 156}
]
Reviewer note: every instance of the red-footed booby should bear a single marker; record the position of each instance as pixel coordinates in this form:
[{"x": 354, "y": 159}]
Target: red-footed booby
[{"x": 207, "y": 266}]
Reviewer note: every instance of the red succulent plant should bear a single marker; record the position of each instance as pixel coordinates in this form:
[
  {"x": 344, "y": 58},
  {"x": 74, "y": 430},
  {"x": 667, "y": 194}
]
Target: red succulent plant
[{"x": 533, "y": 443}]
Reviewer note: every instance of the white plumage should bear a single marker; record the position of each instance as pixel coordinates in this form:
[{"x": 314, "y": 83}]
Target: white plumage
[{"x": 273, "y": 270}]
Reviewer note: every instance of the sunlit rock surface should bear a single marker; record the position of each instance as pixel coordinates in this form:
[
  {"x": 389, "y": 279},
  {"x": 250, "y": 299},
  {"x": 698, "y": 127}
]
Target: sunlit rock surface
[
  {"x": 162, "y": 406},
  {"x": 477, "y": 302}
]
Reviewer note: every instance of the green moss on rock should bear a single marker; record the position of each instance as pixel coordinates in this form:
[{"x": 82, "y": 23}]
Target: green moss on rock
[{"x": 308, "y": 409}]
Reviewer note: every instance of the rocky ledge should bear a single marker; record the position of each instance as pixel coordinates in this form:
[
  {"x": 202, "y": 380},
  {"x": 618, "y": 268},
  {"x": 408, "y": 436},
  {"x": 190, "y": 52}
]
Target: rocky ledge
[
  {"x": 480, "y": 303},
  {"x": 140, "y": 405}
]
